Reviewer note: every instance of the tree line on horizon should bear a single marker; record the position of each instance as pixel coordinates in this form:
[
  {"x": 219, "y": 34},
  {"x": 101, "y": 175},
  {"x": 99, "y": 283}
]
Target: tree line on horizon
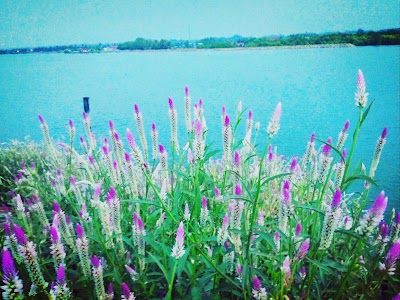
[{"x": 357, "y": 38}]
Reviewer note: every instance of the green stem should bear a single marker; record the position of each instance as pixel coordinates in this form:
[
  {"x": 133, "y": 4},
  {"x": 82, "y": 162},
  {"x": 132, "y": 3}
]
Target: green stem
[
  {"x": 171, "y": 281},
  {"x": 349, "y": 270},
  {"x": 353, "y": 146}
]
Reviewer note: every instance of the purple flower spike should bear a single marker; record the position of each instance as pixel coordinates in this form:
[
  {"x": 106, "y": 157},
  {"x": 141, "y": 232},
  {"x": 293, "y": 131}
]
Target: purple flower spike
[
  {"x": 79, "y": 231},
  {"x": 250, "y": 115},
  {"x": 116, "y": 136},
  {"x": 227, "y": 121},
  {"x": 384, "y": 133},
  {"x": 199, "y": 130},
  {"x": 312, "y": 138},
  {"x": 299, "y": 229},
  {"x": 344, "y": 153},
  {"x": 238, "y": 190},
  {"x": 137, "y": 109},
  {"x": 33, "y": 165},
  {"x": 110, "y": 289},
  {"x": 286, "y": 185},
  {"x": 384, "y": 229},
  {"x": 204, "y": 202},
  {"x": 153, "y": 127},
  {"x": 336, "y": 199},
  {"x": 135, "y": 218},
  {"x": 393, "y": 254},
  {"x": 140, "y": 224},
  {"x": 379, "y": 206},
  {"x": 105, "y": 150},
  {"x": 162, "y": 149},
  {"x": 61, "y": 275},
  {"x": 112, "y": 193},
  {"x": 397, "y": 218},
  {"x": 217, "y": 192},
  {"x": 293, "y": 165},
  {"x": 125, "y": 290},
  {"x": 111, "y": 124},
  {"x": 71, "y": 123},
  {"x": 9, "y": 270},
  {"x": 127, "y": 157},
  {"x": 256, "y": 283},
  {"x": 35, "y": 198},
  {"x": 186, "y": 91},
  {"x": 95, "y": 261},
  {"x": 7, "y": 228},
  {"x": 23, "y": 165},
  {"x": 41, "y": 120},
  {"x": 237, "y": 159},
  {"x": 171, "y": 103},
  {"x": 346, "y": 126},
  {"x": 327, "y": 149},
  {"x": 72, "y": 180},
  {"x": 54, "y": 235},
  {"x": 20, "y": 234},
  {"x": 84, "y": 115}
]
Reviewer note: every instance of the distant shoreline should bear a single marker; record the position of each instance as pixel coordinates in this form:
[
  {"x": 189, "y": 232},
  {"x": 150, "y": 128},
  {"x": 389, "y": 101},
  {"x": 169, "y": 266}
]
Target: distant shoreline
[
  {"x": 347, "y": 45},
  {"x": 241, "y": 48}
]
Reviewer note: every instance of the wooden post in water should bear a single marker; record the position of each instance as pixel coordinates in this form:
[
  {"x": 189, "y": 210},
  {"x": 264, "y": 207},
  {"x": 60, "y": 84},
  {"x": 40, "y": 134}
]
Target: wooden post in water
[{"x": 86, "y": 104}]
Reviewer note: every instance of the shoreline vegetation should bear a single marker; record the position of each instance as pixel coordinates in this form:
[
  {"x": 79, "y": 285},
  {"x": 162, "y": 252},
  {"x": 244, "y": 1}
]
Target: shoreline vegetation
[
  {"x": 236, "y": 42},
  {"x": 125, "y": 217}
]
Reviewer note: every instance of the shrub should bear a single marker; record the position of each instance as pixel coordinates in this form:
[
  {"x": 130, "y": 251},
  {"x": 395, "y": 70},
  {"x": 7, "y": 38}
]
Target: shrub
[{"x": 124, "y": 221}]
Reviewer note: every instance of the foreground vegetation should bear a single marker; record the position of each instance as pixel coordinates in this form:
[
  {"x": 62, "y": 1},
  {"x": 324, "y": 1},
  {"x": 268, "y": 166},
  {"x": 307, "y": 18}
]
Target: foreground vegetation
[
  {"x": 359, "y": 38},
  {"x": 117, "y": 220}
]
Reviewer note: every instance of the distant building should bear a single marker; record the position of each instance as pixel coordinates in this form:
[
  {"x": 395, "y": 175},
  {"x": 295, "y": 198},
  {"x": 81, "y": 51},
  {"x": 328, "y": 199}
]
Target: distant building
[{"x": 110, "y": 49}]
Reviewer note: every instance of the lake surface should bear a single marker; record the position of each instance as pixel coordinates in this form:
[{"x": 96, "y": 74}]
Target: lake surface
[{"x": 316, "y": 88}]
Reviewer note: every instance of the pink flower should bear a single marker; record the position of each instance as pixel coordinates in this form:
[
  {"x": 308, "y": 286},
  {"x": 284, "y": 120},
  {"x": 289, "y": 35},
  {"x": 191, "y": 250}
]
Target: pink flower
[{"x": 178, "y": 249}]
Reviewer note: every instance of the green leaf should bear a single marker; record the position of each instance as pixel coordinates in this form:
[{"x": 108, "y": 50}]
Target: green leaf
[
  {"x": 365, "y": 113},
  {"x": 162, "y": 268}
]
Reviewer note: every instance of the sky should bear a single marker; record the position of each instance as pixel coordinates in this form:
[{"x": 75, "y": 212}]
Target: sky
[{"x": 61, "y": 22}]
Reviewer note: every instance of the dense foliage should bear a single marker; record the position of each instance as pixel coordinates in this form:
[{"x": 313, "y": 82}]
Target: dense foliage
[
  {"x": 359, "y": 38},
  {"x": 122, "y": 221}
]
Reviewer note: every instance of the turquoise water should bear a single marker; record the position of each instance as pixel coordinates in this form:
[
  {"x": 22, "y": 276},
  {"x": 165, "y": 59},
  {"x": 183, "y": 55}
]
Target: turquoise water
[{"x": 316, "y": 88}]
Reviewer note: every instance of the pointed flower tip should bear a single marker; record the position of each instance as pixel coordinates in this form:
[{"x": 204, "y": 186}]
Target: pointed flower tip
[
  {"x": 223, "y": 110},
  {"x": 41, "y": 120},
  {"x": 111, "y": 124},
  {"x": 79, "y": 231},
  {"x": 250, "y": 115},
  {"x": 227, "y": 121},
  {"x": 95, "y": 261},
  {"x": 61, "y": 275},
  {"x": 54, "y": 234},
  {"x": 344, "y": 153},
  {"x": 71, "y": 123},
  {"x": 162, "y": 149},
  {"x": 56, "y": 207},
  {"x": 312, "y": 138},
  {"x": 256, "y": 283},
  {"x": 125, "y": 290},
  {"x": 171, "y": 103},
  {"x": 360, "y": 77},
  {"x": 20, "y": 234},
  {"x": 238, "y": 190},
  {"x": 186, "y": 91},
  {"x": 136, "y": 109},
  {"x": 8, "y": 264},
  {"x": 336, "y": 199},
  {"x": 153, "y": 127},
  {"x": 110, "y": 289},
  {"x": 204, "y": 202},
  {"x": 397, "y": 218},
  {"x": 346, "y": 126},
  {"x": 384, "y": 133},
  {"x": 85, "y": 115},
  {"x": 127, "y": 157},
  {"x": 112, "y": 192}
]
